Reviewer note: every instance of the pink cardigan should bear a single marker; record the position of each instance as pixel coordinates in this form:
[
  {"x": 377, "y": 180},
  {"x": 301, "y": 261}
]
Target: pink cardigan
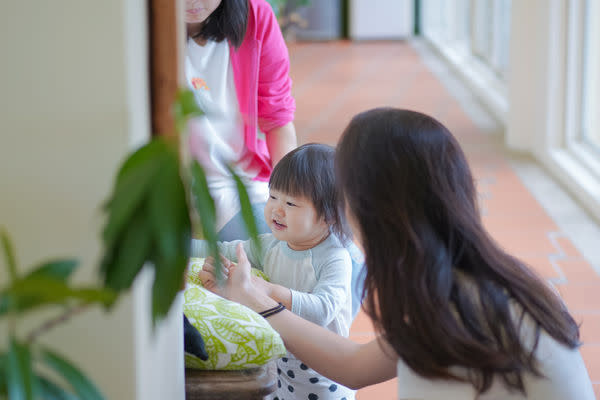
[{"x": 261, "y": 68}]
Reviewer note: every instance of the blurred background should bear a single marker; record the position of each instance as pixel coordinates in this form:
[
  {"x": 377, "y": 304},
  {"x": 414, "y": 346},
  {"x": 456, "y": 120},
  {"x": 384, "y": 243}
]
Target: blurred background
[{"x": 518, "y": 83}]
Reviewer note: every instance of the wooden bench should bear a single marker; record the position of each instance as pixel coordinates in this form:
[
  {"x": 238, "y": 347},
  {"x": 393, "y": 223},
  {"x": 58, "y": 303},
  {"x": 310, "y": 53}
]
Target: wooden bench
[{"x": 249, "y": 384}]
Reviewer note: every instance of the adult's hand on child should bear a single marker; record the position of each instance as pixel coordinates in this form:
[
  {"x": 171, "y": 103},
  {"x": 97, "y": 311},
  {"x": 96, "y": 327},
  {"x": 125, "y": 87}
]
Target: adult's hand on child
[
  {"x": 241, "y": 287},
  {"x": 239, "y": 277}
]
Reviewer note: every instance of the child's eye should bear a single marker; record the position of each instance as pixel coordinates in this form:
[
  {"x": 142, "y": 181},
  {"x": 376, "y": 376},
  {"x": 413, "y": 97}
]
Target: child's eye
[
  {"x": 273, "y": 197},
  {"x": 290, "y": 204}
]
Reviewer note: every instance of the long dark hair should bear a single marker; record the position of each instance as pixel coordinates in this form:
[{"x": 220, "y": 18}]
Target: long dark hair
[
  {"x": 309, "y": 171},
  {"x": 228, "y": 21},
  {"x": 438, "y": 287}
]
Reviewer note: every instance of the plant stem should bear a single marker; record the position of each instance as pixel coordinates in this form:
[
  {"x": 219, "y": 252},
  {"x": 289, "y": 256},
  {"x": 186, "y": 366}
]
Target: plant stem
[{"x": 51, "y": 323}]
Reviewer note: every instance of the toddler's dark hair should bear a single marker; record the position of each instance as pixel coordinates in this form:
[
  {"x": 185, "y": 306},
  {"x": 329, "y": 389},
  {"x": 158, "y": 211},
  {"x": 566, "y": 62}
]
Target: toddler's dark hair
[{"x": 309, "y": 171}]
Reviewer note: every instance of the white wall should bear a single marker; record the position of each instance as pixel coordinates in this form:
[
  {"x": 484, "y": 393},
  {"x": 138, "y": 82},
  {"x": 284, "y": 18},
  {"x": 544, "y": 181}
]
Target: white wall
[
  {"x": 381, "y": 19},
  {"x": 74, "y": 101}
]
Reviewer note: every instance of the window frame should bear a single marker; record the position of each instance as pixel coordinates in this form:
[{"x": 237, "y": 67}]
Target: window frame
[
  {"x": 574, "y": 100},
  {"x": 557, "y": 145},
  {"x": 442, "y": 27}
]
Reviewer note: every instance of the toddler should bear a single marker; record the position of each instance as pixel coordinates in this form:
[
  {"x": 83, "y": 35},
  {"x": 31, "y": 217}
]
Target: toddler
[{"x": 304, "y": 257}]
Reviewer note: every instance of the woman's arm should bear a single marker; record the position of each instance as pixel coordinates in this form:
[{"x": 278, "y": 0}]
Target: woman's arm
[
  {"x": 340, "y": 359},
  {"x": 349, "y": 363},
  {"x": 279, "y": 293},
  {"x": 275, "y": 104},
  {"x": 280, "y": 141}
]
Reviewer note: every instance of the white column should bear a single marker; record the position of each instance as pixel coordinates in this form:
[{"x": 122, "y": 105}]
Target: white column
[
  {"x": 535, "y": 74},
  {"x": 73, "y": 103}
]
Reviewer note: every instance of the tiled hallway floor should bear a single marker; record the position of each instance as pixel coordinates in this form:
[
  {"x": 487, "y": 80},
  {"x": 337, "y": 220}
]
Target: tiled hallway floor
[{"x": 335, "y": 80}]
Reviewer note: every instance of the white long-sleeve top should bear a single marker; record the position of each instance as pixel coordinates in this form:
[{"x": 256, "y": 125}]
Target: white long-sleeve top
[{"x": 319, "y": 278}]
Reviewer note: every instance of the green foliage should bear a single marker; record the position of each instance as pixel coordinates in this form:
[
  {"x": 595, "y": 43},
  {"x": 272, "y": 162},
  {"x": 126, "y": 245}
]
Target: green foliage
[
  {"x": 9, "y": 256},
  {"x": 247, "y": 214},
  {"x": 82, "y": 386},
  {"x": 205, "y": 207},
  {"x": 46, "y": 285},
  {"x": 19, "y": 375},
  {"x": 148, "y": 223},
  {"x": 185, "y": 108},
  {"x": 30, "y": 293},
  {"x": 280, "y": 6}
]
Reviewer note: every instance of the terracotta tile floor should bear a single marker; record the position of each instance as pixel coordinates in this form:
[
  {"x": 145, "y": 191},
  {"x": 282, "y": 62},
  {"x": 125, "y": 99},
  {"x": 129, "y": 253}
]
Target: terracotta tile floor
[{"x": 335, "y": 80}]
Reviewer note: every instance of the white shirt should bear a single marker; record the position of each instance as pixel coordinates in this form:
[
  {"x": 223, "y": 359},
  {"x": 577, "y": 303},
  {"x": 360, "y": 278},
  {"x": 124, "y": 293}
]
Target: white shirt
[
  {"x": 216, "y": 139},
  {"x": 567, "y": 379}
]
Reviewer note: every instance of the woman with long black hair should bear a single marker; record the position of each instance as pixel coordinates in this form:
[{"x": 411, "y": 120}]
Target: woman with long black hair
[{"x": 458, "y": 317}]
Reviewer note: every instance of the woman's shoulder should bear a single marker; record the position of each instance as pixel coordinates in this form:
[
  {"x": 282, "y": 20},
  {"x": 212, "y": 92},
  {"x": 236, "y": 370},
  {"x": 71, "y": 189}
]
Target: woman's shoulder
[
  {"x": 563, "y": 370},
  {"x": 260, "y": 15},
  {"x": 260, "y": 6}
]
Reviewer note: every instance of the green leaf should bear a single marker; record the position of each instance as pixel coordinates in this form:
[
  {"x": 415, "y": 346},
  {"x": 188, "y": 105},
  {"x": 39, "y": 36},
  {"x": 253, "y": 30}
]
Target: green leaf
[
  {"x": 205, "y": 206},
  {"x": 9, "y": 256},
  {"x": 168, "y": 210},
  {"x": 126, "y": 257},
  {"x": 52, "y": 391},
  {"x": 167, "y": 283},
  {"x": 5, "y": 303},
  {"x": 171, "y": 231},
  {"x": 134, "y": 180},
  {"x": 32, "y": 292},
  {"x": 3, "y": 372},
  {"x": 60, "y": 269},
  {"x": 246, "y": 208},
  {"x": 20, "y": 378},
  {"x": 146, "y": 154},
  {"x": 185, "y": 107},
  {"x": 83, "y": 387}
]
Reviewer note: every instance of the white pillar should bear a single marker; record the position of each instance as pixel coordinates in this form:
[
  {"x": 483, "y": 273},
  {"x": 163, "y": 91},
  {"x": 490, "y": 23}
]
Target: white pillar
[
  {"x": 73, "y": 103},
  {"x": 536, "y": 56}
]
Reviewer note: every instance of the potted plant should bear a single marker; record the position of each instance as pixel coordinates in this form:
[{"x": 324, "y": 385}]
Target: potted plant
[{"x": 148, "y": 222}]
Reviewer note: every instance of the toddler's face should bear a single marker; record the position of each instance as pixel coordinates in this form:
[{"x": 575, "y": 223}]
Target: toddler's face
[
  {"x": 198, "y": 10},
  {"x": 294, "y": 220}
]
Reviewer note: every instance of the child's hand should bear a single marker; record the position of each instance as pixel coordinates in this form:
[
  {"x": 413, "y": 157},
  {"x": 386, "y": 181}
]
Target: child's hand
[{"x": 208, "y": 275}]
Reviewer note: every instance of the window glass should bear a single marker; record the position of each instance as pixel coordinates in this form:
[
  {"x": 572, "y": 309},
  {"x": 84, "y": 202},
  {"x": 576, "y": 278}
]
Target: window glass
[
  {"x": 590, "y": 127},
  {"x": 502, "y": 36},
  {"x": 482, "y": 29}
]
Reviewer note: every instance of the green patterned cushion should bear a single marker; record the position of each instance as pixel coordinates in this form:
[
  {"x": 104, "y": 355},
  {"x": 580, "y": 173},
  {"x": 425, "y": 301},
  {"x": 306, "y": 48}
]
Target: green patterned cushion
[{"x": 235, "y": 336}]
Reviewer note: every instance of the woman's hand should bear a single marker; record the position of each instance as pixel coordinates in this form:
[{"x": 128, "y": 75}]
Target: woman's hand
[
  {"x": 238, "y": 285},
  {"x": 242, "y": 288}
]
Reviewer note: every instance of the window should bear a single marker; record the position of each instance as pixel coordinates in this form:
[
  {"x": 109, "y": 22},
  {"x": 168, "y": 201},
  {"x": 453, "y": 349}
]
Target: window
[
  {"x": 590, "y": 88},
  {"x": 473, "y": 36},
  {"x": 582, "y": 104},
  {"x": 491, "y": 33},
  {"x": 481, "y": 42}
]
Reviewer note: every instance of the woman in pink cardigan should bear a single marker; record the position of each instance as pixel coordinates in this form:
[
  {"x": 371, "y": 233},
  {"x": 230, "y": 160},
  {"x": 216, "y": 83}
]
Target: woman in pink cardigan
[{"x": 237, "y": 64}]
